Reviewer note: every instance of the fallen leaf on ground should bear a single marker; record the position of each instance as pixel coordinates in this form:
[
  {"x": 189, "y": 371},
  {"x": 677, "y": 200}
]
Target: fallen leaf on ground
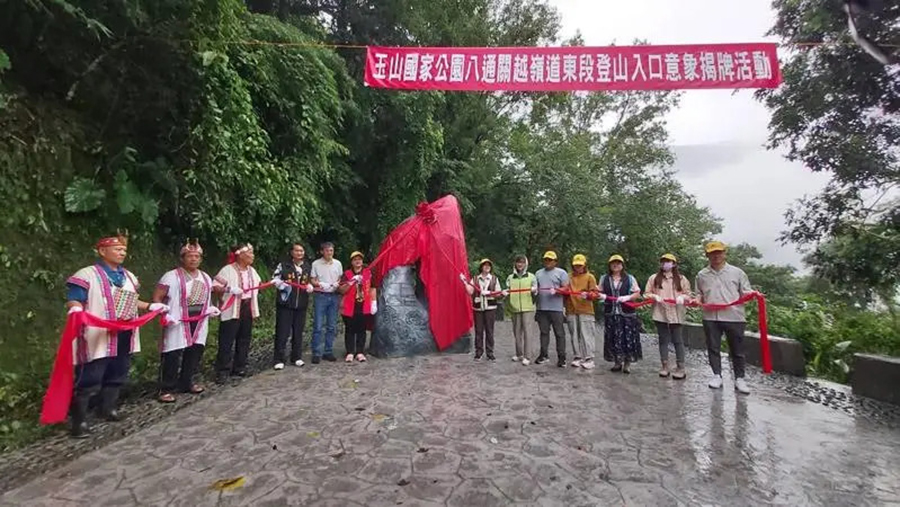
[
  {"x": 313, "y": 434},
  {"x": 228, "y": 484},
  {"x": 379, "y": 417},
  {"x": 403, "y": 482},
  {"x": 422, "y": 449}
]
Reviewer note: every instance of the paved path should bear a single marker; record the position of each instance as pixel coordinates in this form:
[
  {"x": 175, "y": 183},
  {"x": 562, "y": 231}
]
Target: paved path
[{"x": 432, "y": 431}]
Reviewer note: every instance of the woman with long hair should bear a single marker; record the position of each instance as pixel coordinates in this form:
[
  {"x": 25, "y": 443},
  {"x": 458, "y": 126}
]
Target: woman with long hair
[
  {"x": 622, "y": 340},
  {"x": 669, "y": 284}
]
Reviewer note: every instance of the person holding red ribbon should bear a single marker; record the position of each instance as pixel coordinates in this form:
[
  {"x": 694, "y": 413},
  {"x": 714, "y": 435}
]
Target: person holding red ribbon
[
  {"x": 522, "y": 287},
  {"x": 102, "y": 356},
  {"x": 664, "y": 287},
  {"x": 358, "y": 307},
  {"x": 187, "y": 290},
  {"x": 721, "y": 283},
  {"x": 580, "y": 313},
  {"x": 292, "y": 279},
  {"x": 239, "y": 283},
  {"x": 485, "y": 291},
  {"x": 622, "y": 338},
  {"x": 553, "y": 282}
]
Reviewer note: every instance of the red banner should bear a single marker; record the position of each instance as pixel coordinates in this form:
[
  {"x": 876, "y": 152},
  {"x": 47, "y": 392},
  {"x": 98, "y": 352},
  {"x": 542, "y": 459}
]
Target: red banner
[{"x": 572, "y": 68}]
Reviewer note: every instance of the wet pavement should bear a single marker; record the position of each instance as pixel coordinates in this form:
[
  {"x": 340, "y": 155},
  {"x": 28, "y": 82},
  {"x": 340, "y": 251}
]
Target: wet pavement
[{"x": 443, "y": 430}]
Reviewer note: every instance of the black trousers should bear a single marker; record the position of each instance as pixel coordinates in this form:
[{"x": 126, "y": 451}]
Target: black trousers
[
  {"x": 557, "y": 321},
  {"x": 734, "y": 334},
  {"x": 234, "y": 342},
  {"x": 289, "y": 323},
  {"x": 355, "y": 333},
  {"x": 177, "y": 368},
  {"x": 484, "y": 332},
  {"x": 106, "y": 371}
]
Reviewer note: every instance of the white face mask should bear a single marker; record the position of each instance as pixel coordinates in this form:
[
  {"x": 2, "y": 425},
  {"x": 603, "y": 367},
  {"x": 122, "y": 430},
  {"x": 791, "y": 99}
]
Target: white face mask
[{"x": 667, "y": 266}]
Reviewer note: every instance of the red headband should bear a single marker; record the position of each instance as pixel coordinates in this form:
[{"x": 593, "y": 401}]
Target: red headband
[{"x": 112, "y": 241}]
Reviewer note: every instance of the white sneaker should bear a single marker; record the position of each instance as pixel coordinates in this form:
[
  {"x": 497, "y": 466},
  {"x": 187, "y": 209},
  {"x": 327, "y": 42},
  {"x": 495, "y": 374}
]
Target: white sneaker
[
  {"x": 576, "y": 363},
  {"x": 299, "y": 363},
  {"x": 279, "y": 366},
  {"x": 588, "y": 365},
  {"x": 525, "y": 361},
  {"x": 516, "y": 359},
  {"x": 741, "y": 386},
  {"x": 715, "y": 382}
]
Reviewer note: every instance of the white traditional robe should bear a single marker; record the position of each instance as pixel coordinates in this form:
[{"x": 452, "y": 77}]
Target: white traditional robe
[
  {"x": 179, "y": 283},
  {"x": 230, "y": 276},
  {"x": 109, "y": 302}
]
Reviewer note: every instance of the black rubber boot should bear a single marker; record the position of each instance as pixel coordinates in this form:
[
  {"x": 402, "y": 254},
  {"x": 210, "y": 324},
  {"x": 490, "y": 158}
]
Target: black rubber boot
[
  {"x": 109, "y": 398},
  {"x": 78, "y": 413}
]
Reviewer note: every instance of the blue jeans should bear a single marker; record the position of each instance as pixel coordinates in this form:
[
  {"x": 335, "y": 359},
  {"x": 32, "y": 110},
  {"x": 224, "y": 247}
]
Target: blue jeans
[{"x": 325, "y": 310}]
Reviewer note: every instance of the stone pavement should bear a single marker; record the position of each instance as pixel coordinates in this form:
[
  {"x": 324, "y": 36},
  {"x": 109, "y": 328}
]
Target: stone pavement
[{"x": 442, "y": 430}]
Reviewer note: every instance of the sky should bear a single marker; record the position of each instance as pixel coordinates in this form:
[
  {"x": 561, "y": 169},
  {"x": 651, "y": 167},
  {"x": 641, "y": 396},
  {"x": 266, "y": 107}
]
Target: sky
[{"x": 718, "y": 136}]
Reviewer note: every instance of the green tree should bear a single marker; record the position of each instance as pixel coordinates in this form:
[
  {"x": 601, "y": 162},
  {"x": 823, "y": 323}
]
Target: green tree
[{"x": 837, "y": 113}]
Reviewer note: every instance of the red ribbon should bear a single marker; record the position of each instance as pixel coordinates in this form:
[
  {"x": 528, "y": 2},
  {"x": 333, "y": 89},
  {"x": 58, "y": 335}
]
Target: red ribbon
[
  {"x": 232, "y": 299},
  {"x": 765, "y": 352},
  {"x": 59, "y": 392}
]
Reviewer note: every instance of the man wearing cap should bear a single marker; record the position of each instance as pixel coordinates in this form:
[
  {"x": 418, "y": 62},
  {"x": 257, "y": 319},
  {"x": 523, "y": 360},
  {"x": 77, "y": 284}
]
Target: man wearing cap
[
  {"x": 580, "y": 313},
  {"x": 103, "y": 357},
  {"x": 291, "y": 305},
  {"x": 485, "y": 291},
  {"x": 187, "y": 290},
  {"x": 722, "y": 283},
  {"x": 551, "y": 308},
  {"x": 358, "y": 307},
  {"x": 326, "y": 277},
  {"x": 522, "y": 287}
]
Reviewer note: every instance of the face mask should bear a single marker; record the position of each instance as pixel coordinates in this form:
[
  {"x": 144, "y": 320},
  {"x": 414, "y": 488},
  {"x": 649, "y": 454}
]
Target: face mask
[{"x": 667, "y": 266}]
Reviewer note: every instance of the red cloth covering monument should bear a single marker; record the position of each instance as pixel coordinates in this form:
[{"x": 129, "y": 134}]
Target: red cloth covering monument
[{"x": 434, "y": 238}]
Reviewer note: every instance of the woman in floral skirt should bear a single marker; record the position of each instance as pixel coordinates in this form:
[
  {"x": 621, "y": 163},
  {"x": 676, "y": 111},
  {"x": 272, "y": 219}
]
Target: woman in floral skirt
[{"x": 622, "y": 340}]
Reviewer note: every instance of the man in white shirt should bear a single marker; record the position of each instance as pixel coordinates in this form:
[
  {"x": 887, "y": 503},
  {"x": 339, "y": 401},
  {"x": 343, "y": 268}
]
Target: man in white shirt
[
  {"x": 325, "y": 276},
  {"x": 722, "y": 283}
]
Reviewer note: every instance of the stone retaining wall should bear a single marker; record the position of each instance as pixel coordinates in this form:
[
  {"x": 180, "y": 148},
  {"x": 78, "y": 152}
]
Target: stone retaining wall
[
  {"x": 876, "y": 377},
  {"x": 787, "y": 354}
]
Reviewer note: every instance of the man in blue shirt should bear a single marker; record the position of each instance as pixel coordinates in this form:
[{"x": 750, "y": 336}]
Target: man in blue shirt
[
  {"x": 551, "y": 308},
  {"x": 102, "y": 357}
]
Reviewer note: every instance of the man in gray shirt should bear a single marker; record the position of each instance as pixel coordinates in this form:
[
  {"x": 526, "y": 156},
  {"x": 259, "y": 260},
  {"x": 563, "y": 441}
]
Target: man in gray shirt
[
  {"x": 551, "y": 309},
  {"x": 325, "y": 276},
  {"x": 722, "y": 283}
]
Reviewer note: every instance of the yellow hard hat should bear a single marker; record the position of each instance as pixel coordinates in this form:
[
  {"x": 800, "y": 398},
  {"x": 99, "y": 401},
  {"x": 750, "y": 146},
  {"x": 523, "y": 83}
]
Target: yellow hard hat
[
  {"x": 357, "y": 254},
  {"x": 614, "y": 258},
  {"x": 715, "y": 246},
  {"x": 550, "y": 254},
  {"x": 579, "y": 260},
  {"x": 485, "y": 260},
  {"x": 668, "y": 257}
]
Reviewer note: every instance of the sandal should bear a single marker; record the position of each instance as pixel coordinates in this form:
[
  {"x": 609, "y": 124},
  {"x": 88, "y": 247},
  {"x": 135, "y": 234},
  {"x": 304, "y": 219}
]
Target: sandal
[
  {"x": 166, "y": 398},
  {"x": 196, "y": 389}
]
